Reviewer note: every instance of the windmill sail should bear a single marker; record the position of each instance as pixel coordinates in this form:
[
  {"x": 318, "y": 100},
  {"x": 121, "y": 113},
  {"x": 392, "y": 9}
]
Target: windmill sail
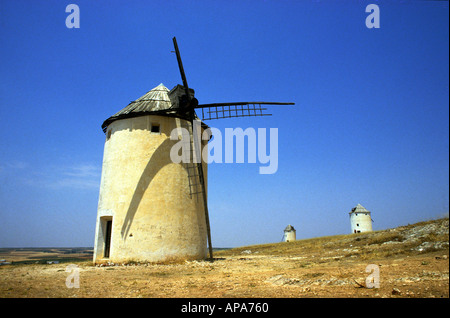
[
  {"x": 185, "y": 104},
  {"x": 230, "y": 110},
  {"x": 189, "y": 103}
]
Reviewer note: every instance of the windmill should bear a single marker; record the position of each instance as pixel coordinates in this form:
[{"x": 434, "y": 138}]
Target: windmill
[
  {"x": 188, "y": 104},
  {"x": 150, "y": 208}
]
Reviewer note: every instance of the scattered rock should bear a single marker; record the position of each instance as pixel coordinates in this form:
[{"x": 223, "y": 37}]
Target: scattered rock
[
  {"x": 391, "y": 242},
  {"x": 396, "y": 291},
  {"x": 280, "y": 280},
  {"x": 306, "y": 289},
  {"x": 426, "y": 246},
  {"x": 277, "y": 280}
]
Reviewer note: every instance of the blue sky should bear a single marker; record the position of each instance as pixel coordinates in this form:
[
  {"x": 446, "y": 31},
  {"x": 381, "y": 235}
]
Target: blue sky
[{"x": 370, "y": 124}]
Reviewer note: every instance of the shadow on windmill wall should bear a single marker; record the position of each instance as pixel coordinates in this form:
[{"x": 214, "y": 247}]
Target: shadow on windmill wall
[{"x": 159, "y": 159}]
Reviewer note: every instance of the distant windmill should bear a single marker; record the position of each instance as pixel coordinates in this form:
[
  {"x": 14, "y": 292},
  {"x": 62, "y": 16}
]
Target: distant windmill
[
  {"x": 289, "y": 234},
  {"x": 148, "y": 209},
  {"x": 360, "y": 219}
]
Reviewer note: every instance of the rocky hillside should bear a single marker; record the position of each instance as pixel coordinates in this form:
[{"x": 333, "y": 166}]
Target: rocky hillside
[{"x": 406, "y": 240}]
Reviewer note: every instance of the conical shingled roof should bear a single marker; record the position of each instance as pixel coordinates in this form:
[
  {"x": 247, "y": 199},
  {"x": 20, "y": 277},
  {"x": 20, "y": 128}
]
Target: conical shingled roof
[
  {"x": 359, "y": 209},
  {"x": 289, "y": 228},
  {"x": 155, "y": 100}
]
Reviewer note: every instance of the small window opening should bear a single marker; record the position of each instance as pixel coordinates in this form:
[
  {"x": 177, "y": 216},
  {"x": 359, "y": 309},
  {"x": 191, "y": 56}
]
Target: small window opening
[
  {"x": 357, "y": 224},
  {"x": 155, "y": 128},
  {"x": 108, "y": 135}
]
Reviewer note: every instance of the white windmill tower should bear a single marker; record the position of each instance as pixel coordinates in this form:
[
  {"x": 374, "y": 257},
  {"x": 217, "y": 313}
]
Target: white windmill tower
[
  {"x": 360, "y": 219},
  {"x": 289, "y": 234}
]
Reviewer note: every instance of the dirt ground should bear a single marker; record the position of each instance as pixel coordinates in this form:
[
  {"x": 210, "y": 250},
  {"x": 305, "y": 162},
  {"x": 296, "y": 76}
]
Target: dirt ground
[
  {"x": 234, "y": 276},
  {"x": 329, "y": 267}
]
